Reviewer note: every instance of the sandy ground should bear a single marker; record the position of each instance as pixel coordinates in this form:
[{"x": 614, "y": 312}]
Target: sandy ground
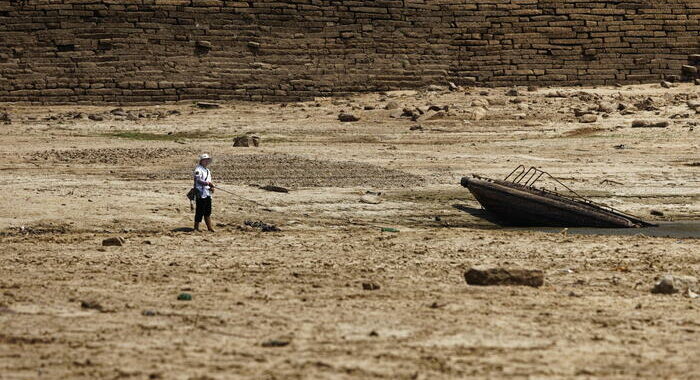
[{"x": 291, "y": 304}]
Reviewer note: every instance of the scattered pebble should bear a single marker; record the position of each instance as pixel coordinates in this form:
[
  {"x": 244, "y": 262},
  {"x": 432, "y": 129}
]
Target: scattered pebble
[
  {"x": 208, "y": 105},
  {"x": 5, "y": 118},
  {"x": 94, "y": 305},
  {"x": 184, "y": 297},
  {"x": 262, "y": 226},
  {"x": 276, "y": 343},
  {"x": 672, "y": 284},
  {"x": 513, "y": 92}
]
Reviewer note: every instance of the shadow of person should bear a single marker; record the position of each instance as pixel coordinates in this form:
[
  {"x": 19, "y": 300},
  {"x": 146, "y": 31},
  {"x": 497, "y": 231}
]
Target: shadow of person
[{"x": 182, "y": 229}]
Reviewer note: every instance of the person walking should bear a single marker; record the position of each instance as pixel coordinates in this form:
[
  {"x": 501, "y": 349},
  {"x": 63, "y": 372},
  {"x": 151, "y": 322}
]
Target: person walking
[{"x": 205, "y": 190}]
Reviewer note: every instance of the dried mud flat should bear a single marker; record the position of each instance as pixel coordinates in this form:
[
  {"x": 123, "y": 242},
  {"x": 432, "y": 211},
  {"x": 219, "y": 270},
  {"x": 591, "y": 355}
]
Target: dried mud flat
[{"x": 331, "y": 295}]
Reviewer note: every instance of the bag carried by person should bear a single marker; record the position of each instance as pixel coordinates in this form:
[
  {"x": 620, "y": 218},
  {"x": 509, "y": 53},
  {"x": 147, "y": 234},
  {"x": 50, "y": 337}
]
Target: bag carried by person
[{"x": 192, "y": 194}]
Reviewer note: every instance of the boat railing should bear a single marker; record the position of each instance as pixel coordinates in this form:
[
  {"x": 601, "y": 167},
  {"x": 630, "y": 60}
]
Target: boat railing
[{"x": 528, "y": 177}]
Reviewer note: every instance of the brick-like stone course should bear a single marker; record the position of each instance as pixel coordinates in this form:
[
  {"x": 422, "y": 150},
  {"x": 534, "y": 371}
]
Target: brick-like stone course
[{"x": 140, "y": 51}]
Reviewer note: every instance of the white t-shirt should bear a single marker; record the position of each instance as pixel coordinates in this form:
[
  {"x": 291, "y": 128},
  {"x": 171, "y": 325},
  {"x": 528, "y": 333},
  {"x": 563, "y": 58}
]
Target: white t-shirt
[{"x": 202, "y": 175}]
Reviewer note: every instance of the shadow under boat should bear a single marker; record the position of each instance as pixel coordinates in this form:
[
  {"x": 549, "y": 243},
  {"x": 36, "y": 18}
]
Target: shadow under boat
[{"x": 515, "y": 201}]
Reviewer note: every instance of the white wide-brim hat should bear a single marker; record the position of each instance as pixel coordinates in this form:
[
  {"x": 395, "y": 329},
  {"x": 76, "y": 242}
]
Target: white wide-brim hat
[{"x": 204, "y": 157}]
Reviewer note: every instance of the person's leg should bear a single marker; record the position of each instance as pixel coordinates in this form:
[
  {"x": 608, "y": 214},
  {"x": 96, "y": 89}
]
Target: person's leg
[
  {"x": 207, "y": 214},
  {"x": 199, "y": 213},
  {"x": 207, "y": 221}
]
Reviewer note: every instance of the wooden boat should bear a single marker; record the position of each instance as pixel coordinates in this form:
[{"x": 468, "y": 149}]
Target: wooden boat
[{"x": 517, "y": 202}]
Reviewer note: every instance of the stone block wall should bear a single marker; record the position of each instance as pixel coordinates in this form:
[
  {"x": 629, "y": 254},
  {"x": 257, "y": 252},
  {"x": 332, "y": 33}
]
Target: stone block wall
[{"x": 139, "y": 51}]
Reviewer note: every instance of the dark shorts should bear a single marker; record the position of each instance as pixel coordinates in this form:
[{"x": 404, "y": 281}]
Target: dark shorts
[{"x": 203, "y": 209}]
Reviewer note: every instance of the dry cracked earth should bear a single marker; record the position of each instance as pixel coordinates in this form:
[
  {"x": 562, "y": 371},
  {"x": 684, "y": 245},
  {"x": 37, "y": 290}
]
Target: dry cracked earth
[{"x": 333, "y": 295}]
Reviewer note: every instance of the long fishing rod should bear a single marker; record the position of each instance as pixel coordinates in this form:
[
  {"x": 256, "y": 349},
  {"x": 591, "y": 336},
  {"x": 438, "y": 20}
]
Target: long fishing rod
[{"x": 217, "y": 187}]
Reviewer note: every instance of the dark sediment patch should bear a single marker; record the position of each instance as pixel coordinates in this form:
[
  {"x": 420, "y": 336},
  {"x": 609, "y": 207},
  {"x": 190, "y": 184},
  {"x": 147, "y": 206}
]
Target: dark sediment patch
[
  {"x": 295, "y": 171},
  {"x": 110, "y": 156}
]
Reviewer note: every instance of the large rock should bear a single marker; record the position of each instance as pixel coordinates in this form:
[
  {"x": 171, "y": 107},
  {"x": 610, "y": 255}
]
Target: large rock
[
  {"x": 436, "y": 108},
  {"x": 504, "y": 276},
  {"x": 392, "y": 105},
  {"x": 208, "y": 105},
  {"x": 414, "y": 114},
  {"x": 480, "y": 103},
  {"x": 689, "y": 70},
  {"x": 116, "y": 241},
  {"x": 432, "y": 115},
  {"x": 606, "y": 107},
  {"x": 372, "y": 199},
  {"x": 649, "y": 124},
  {"x": 434, "y": 87},
  {"x": 396, "y": 114},
  {"x": 347, "y": 118},
  {"x": 671, "y": 284},
  {"x": 119, "y": 112},
  {"x": 475, "y": 114},
  {"x": 201, "y": 44},
  {"x": 468, "y": 81},
  {"x": 246, "y": 141},
  {"x": 588, "y": 118}
]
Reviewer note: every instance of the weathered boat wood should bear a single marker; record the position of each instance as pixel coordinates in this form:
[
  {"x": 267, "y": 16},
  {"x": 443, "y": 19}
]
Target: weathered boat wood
[{"x": 524, "y": 205}]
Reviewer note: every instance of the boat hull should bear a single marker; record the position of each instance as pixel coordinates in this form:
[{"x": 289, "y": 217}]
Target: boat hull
[{"x": 519, "y": 205}]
